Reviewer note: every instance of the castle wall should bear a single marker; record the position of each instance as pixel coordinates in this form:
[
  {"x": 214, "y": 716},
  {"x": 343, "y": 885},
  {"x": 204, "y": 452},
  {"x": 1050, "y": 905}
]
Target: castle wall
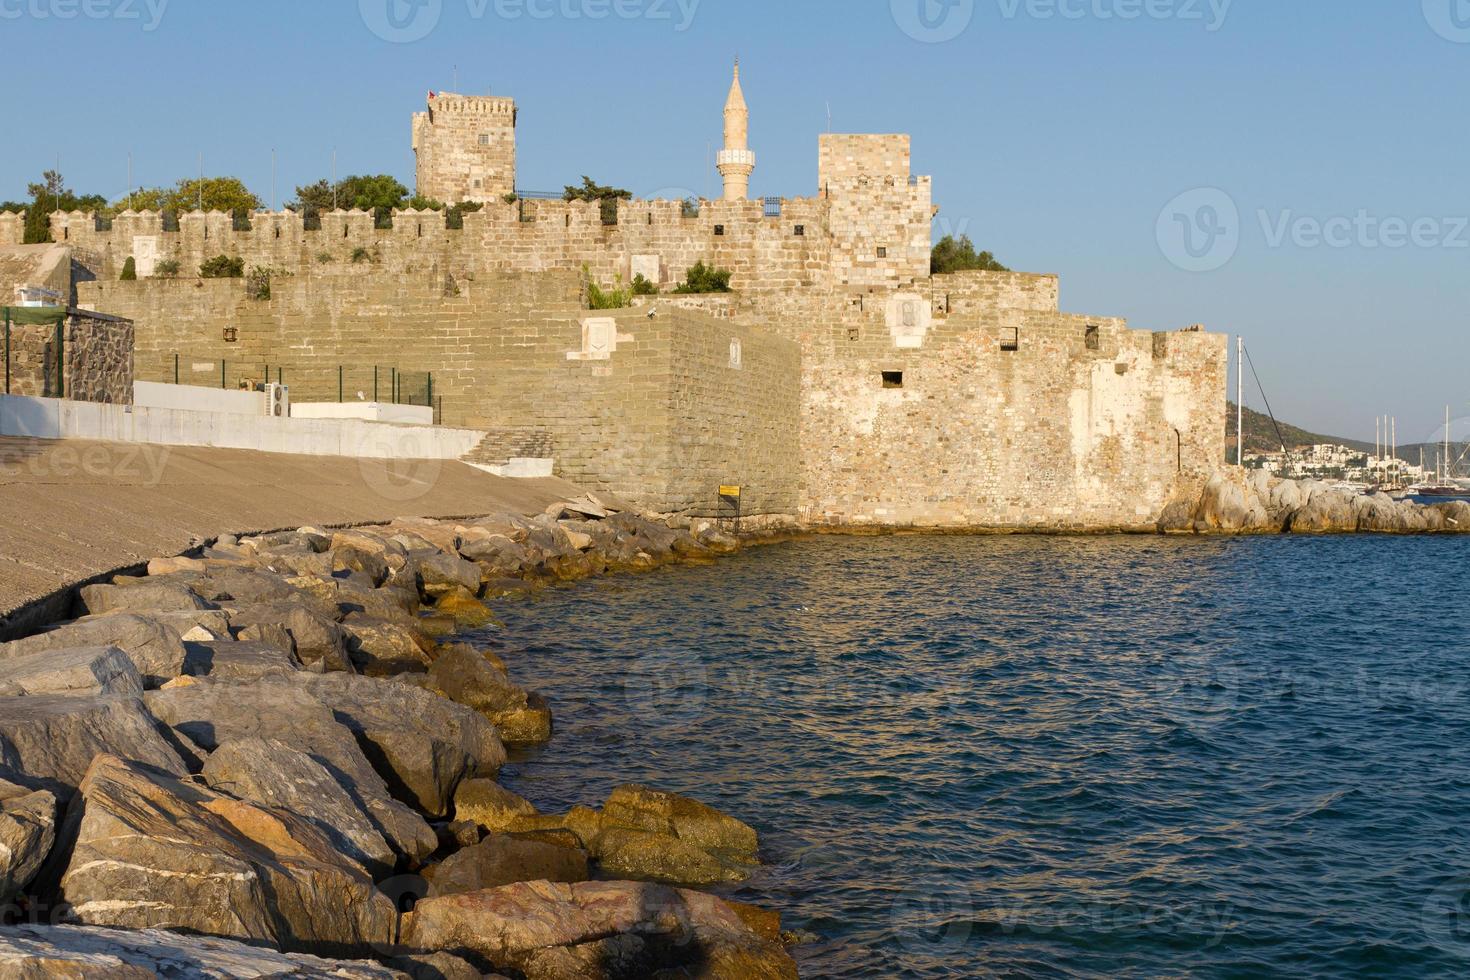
[
  {"x": 12, "y": 228},
  {"x": 1051, "y": 434},
  {"x": 465, "y": 148},
  {"x": 651, "y": 409}
]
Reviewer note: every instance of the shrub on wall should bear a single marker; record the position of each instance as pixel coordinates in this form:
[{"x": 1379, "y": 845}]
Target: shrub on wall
[
  {"x": 705, "y": 279},
  {"x": 222, "y": 267},
  {"x": 616, "y": 298},
  {"x": 166, "y": 269},
  {"x": 130, "y": 270},
  {"x": 361, "y": 255},
  {"x": 642, "y": 287},
  {"x": 952, "y": 255}
]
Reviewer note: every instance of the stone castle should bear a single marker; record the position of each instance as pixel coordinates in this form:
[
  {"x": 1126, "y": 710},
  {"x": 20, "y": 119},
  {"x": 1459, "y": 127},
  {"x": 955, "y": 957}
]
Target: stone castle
[{"x": 839, "y": 381}]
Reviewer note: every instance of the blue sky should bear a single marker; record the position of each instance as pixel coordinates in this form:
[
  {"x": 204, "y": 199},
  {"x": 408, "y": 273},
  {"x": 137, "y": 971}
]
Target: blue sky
[{"x": 1099, "y": 139}]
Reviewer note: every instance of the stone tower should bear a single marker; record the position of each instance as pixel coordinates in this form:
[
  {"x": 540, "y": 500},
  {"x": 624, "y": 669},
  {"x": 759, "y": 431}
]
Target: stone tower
[
  {"x": 736, "y": 161},
  {"x": 465, "y": 147}
]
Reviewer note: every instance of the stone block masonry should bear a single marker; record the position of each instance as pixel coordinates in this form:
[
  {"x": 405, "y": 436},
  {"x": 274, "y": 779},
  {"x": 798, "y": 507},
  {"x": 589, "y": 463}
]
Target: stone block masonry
[
  {"x": 86, "y": 357},
  {"x": 465, "y": 147},
  {"x": 12, "y": 228}
]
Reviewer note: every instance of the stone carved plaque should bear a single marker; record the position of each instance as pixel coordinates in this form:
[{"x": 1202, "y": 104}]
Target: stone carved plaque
[{"x": 908, "y": 317}]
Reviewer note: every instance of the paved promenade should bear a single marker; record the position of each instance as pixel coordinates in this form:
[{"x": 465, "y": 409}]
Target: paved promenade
[{"x": 72, "y": 510}]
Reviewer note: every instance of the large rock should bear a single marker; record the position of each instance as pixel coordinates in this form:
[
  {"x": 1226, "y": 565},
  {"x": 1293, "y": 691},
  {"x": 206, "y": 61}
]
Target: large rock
[
  {"x": 236, "y": 660},
  {"x": 689, "y": 820},
  {"x": 440, "y": 573},
  {"x": 319, "y": 640},
  {"x": 145, "y": 597},
  {"x": 469, "y": 678},
  {"x": 275, "y": 774},
  {"x": 88, "y": 671},
  {"x": 1327, "y": 511},
  {"x": 502, "y": 860},
  {"x": 242, "y": 584},
  {"x": 425, "y": 745},
  {"x": 37, "y": 952},
  {"x": 154, "y": 851},
  {"x": 49, "y": 741},
  {"x": 380, "y": 648},
  {"x": 487, "y": 804},
  {"x": 596, "y": 930},
  {"x": 27, "y": 831},
  {"x": 212, "y": 713},
  {"x": 154, "y": 646}
]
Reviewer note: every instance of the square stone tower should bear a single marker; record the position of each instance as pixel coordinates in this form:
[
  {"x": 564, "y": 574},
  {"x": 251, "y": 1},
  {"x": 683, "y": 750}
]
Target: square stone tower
[
  {"x": 881, "y": 213},
  {"x": 465, "y": 147}
]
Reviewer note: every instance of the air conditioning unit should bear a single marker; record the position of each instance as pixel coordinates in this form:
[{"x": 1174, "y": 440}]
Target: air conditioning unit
[{"x": 278, "y": 401}]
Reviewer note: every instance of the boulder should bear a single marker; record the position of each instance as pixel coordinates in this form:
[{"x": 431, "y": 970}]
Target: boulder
[
  {"x": 172, "y": 565},
  {"x": 434, "y": 966},
  {"x": 425, "y": 745},
  {"x": 490, "y": 805},
  {"x": 152, "y": 645},
  {"x": 391, "y": 602},
  {"x": 369, "y": 563},
  {"x": 275, "y": 774},
  {"x": 319, "y": 640},
  {"x": 49, "y": 741},
  {"x": 146, "y": 597},
  {"x": 27, "y": 832},
  {"x": 280, "y": 708},
  {"x": 155, "y": 851},
  {"x": 80, "y": 951},
  {"x": 242, "y": 584},
  {"x": 441, "y": 573},
  {"x": 1326, "y": 511},
  {"x": 238, "y": 660},
  {"x": 271, "y": 634},
  {"x": 690, "y": 820},
  {"x": 495, "y": 554},
  {"x": 464, "y": 676},
  {"x": 501, "y": 860},
  {"x": 375, "y": 541},
  {"x": 644, "y": 856},
  {"x": 380, "y": 648},
  {"x": 467, "y": 611},
  {"x": 550, "y": 931},
  {"x": 87, "y": 671}
]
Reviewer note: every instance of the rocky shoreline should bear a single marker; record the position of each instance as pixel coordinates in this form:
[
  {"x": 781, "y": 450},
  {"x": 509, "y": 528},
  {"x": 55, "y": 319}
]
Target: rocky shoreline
[
  {"x": 1258, "y": 503},
  {"x": 272, "y": 757}
]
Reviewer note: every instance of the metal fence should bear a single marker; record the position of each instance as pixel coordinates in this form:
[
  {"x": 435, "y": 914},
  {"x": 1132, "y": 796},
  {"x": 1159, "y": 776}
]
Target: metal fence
[{"x": 324, "y": 382}]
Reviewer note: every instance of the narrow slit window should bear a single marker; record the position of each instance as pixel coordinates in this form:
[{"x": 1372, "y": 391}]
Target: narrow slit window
[
  {"x": 1094, "y": 337},
  {"x": 893, "y": 379}
]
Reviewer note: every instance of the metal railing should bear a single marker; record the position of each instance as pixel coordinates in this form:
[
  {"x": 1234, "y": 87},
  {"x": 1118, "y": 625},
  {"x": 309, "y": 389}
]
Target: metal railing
[{"x": 324, "y": 382}]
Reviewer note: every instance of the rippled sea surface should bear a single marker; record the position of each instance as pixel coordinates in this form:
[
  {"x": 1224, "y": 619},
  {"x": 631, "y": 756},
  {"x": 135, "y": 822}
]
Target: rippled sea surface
[{"x": 1048, "y": 757}]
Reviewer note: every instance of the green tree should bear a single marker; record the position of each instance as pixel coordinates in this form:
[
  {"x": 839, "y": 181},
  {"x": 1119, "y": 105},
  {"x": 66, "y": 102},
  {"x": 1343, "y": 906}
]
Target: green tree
[
  {"x": 215, "y": 194},
  {"x": 705, "y": 279},
  {"x": 593, "y": 191},
  {"x": 49, "y": 196},
  {"x": 130, "y": 270},
  {"x": 222, "y": 267},
  {"x": 371, "y": 193},
  {"x": 952, "y": 255}
]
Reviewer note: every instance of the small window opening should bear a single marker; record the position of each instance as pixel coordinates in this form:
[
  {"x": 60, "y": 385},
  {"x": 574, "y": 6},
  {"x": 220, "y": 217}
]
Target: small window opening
[
  {"x": 344, "y": 231},
  {"x": 484, "y": 139},
  {"x": 1094, "y": 337},
  {"x": 421, "y": 229},
  {"x": 278, "y": 233},
  {"x": 893, "y": 379},
  {"x": 882, "y": 252},
  {"x": 1010, "y": 339},
  {"x": 719, "y": 231},
  {"x": 801, "y": 231}
]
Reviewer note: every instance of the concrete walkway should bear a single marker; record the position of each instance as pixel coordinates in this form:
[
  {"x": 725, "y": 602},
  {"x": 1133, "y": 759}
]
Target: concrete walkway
[{"x": 73, "y": 510}]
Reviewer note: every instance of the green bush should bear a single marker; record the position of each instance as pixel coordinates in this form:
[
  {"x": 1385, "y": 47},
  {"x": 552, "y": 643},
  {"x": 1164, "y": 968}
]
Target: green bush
[
  {"x": 959, "y": 255},
  {"x": 324, "y": 257},
  {"x": 361, "y": 255},
  {"x": 130, "y": 270},
  {"x": 616, "y": 298},
  {"x": 223, "y": 267},
  {"x": 167, "y": 269},
  {"x": 705, "y": 279},
  {"x": 642, "y": 287},
  {"x": 258, "y": 285}
]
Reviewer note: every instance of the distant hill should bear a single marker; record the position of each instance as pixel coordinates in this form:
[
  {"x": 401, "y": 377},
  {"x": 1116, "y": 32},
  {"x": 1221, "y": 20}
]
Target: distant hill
[{"x": 1261, "y": 437}]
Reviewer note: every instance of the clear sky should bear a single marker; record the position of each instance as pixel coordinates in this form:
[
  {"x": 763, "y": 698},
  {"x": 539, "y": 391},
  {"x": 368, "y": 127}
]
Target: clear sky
[{"x": 1291, "y": 170}]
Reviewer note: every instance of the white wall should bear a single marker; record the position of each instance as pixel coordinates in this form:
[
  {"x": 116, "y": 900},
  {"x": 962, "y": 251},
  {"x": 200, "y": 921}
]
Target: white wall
[
  {"x": 367, "y": 411},
  {"x": 50, "y": 418},
  {"x": 194, "y": 398}
]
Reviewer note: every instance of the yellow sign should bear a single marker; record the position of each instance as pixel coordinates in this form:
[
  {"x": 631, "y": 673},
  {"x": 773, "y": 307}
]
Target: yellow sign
[{"x": 729, "y": 491}]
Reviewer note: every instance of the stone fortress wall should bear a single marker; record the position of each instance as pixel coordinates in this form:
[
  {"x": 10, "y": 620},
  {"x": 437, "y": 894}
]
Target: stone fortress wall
[
  {"x": 12, "y": 228},
  {"x": 867, "y": 392}
]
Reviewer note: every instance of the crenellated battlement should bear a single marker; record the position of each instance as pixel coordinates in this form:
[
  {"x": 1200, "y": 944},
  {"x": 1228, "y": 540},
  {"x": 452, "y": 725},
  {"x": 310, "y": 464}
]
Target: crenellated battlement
[
  {"x": 473, "y": 105},
  {"x": 12, "y": 227}
]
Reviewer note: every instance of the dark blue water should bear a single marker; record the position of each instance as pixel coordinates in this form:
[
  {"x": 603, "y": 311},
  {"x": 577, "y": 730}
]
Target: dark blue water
[{"x": 1048, "y": 757}]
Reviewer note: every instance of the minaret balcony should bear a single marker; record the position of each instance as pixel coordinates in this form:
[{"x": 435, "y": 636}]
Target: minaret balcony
[{"x": 739, "y": 158}]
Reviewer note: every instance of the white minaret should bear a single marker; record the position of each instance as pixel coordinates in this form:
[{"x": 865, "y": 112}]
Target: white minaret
[{"x": 736, "y": 162}]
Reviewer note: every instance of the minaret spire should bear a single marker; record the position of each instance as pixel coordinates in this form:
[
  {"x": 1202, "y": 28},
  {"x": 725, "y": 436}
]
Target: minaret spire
[{"x": 736, "y": 161}]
